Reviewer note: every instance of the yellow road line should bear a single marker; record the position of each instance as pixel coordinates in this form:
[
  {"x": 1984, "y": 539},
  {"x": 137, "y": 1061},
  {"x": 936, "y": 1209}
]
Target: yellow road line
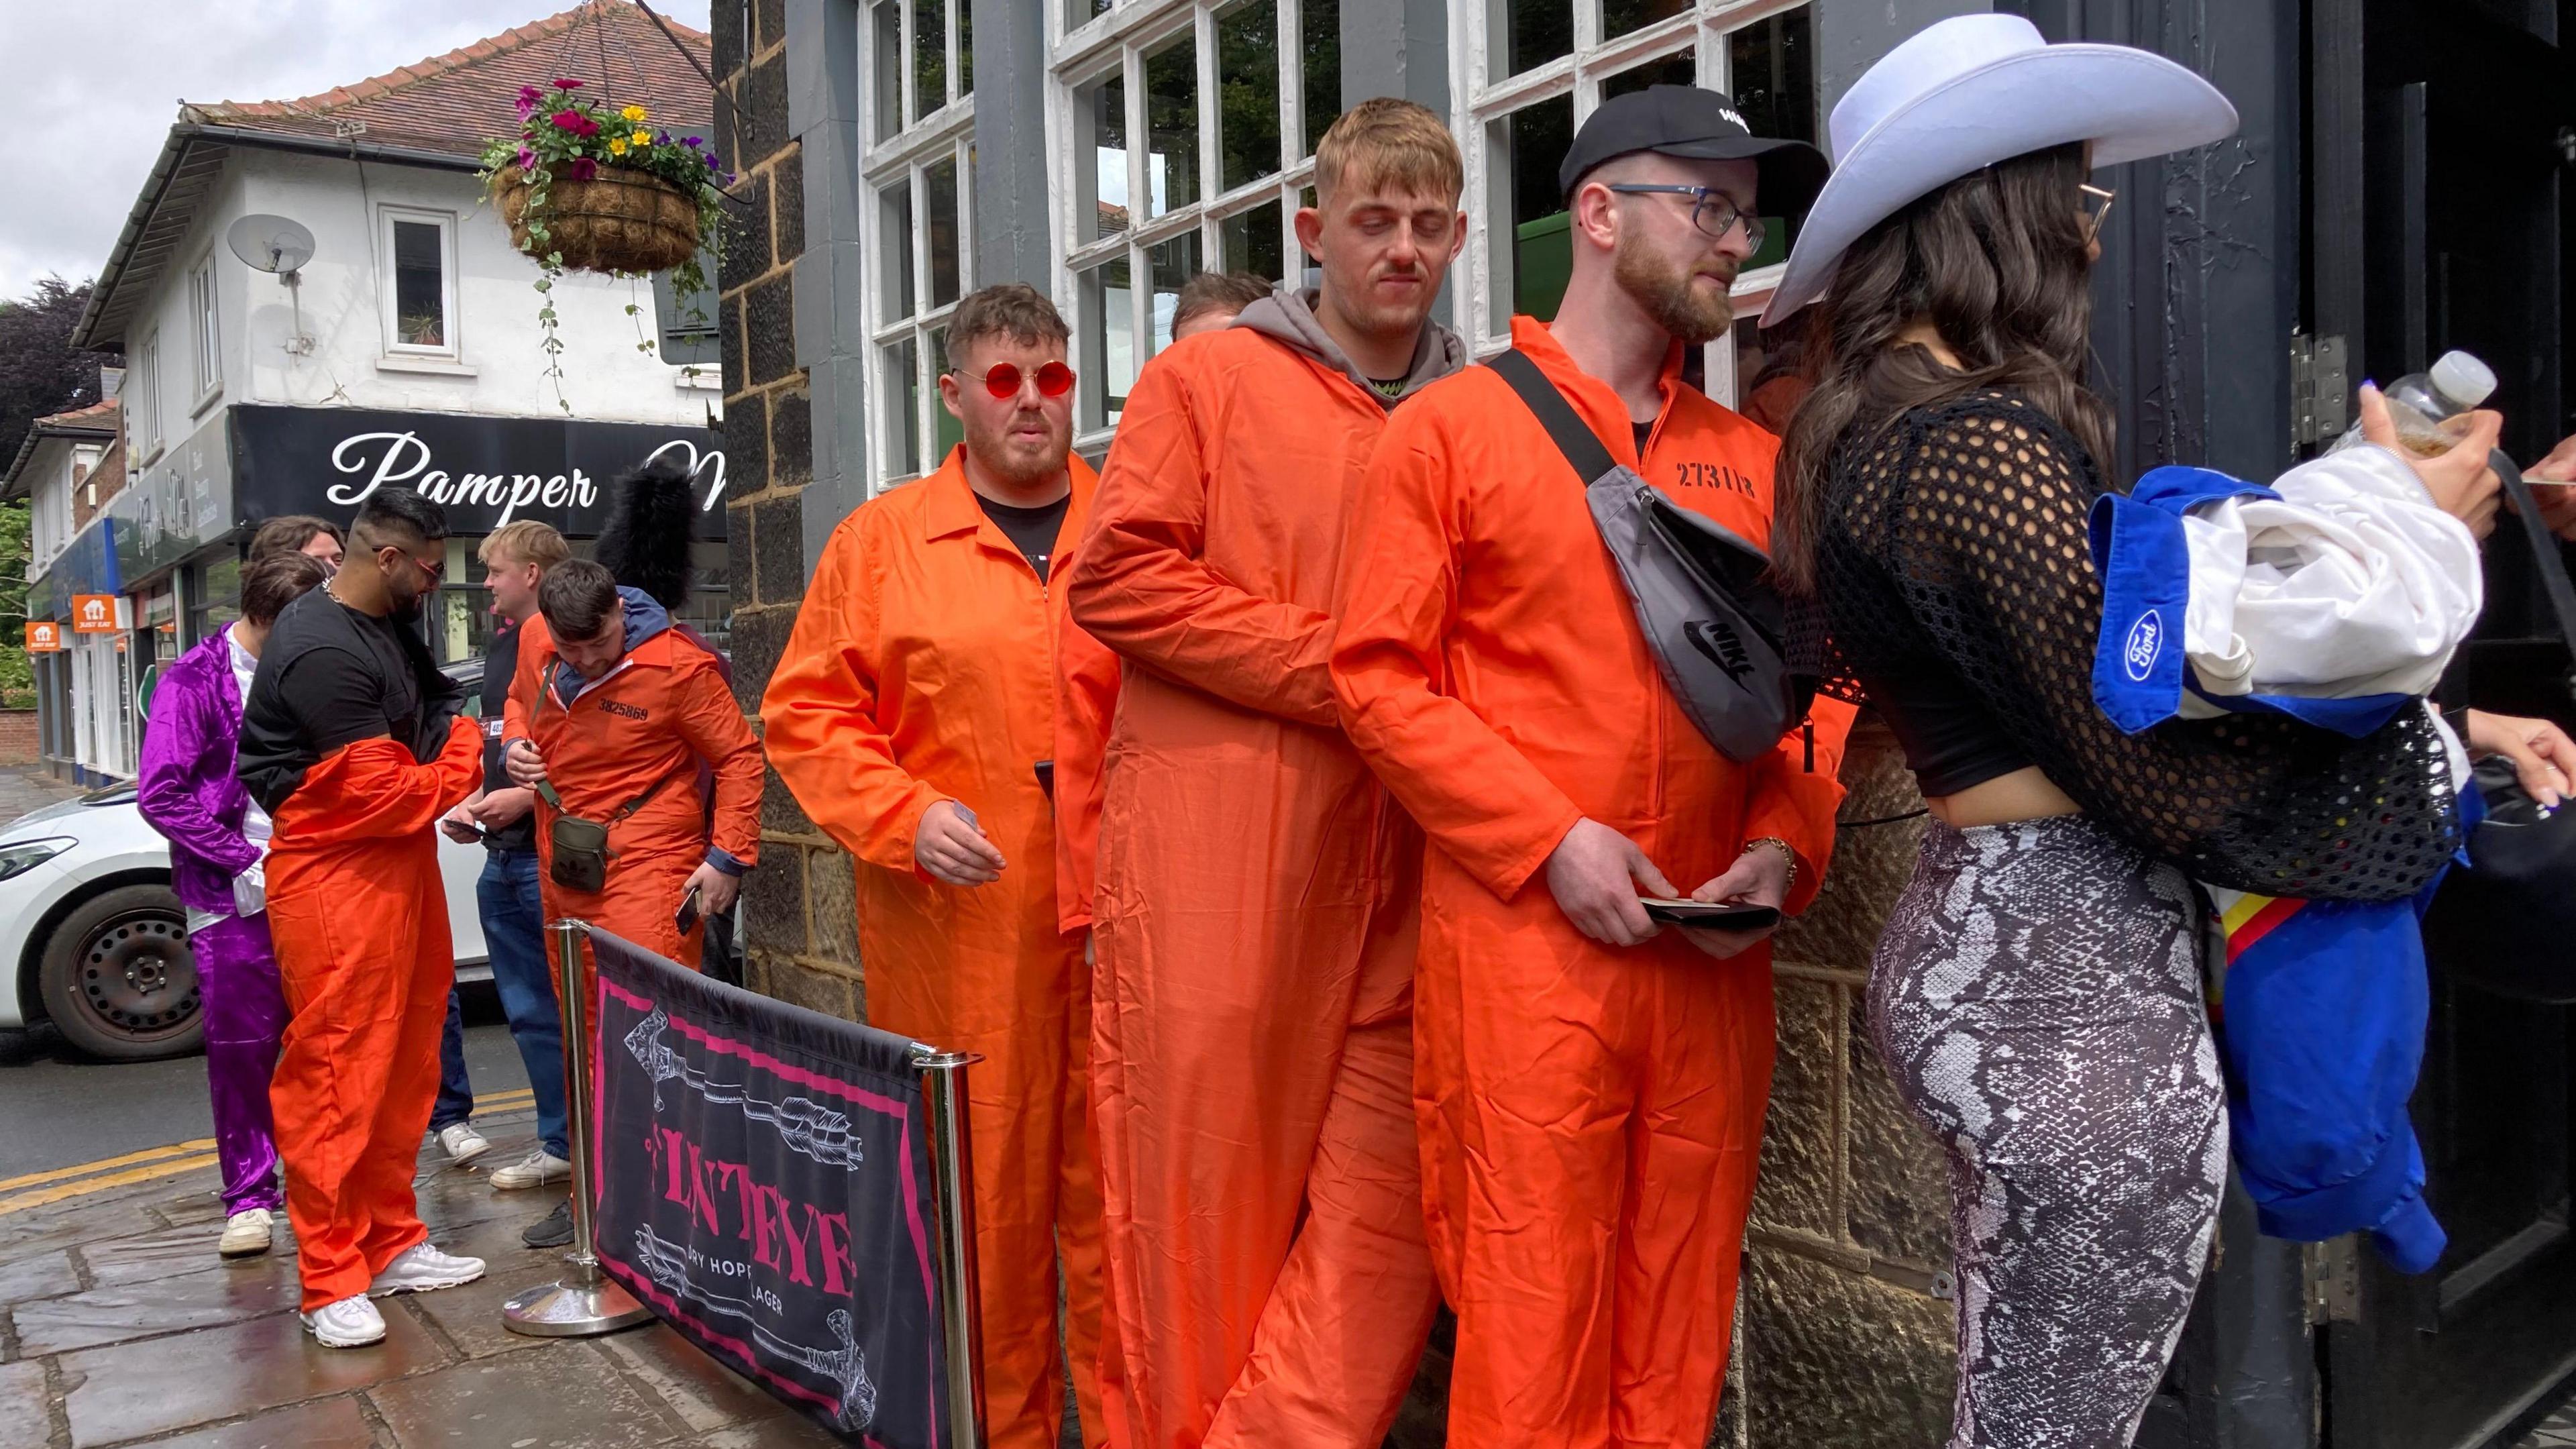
[
  {"x": 203, "y": 1144},
  {"x": 127, "y": 1178}
]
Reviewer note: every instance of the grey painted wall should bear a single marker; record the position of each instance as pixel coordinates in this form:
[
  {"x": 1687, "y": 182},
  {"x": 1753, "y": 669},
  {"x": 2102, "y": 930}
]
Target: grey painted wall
[
  {"x": 1012, "y": 239},
  {"x": 826, "y": 116}
]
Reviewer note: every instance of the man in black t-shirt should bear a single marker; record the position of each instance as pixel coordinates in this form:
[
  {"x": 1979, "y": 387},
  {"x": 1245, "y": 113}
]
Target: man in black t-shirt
[
  {"x": 502, "y": 816},
  {"x": 351, "y": 742}
]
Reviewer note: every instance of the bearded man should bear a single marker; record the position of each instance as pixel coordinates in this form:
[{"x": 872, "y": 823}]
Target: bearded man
[
  {"x": 1590, "y": 1087},
  {"x": 354, "y": 744},
  {"x": 913, "y": 717}
]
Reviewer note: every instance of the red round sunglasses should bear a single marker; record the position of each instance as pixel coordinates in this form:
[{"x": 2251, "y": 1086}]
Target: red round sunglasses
[{"x": 1003, "y": 379}]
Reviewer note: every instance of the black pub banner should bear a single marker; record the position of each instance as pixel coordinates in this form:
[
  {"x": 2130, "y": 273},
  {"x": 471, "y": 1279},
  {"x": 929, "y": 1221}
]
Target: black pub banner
[{"x": 764, "y": 1185}]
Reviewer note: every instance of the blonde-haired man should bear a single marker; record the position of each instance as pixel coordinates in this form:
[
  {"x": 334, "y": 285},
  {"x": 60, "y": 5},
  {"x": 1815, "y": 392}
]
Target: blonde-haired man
[
  {"x": 515, "y": 557},
  {"x": 1254, "y": 917}
]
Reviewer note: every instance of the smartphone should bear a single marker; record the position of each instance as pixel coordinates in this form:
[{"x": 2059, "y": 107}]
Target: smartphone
[
  {"x": 687, "y": 917},
  {"x": 1710, "y": 915},
  {"x": 1046, "y": 778}
]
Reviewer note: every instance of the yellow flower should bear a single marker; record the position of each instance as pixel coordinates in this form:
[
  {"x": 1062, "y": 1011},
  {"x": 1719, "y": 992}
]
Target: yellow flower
[
  {"x": 633, "y": 113},
  {"x": 641, "y": 137},
  {"x": 617, "y": 147}
]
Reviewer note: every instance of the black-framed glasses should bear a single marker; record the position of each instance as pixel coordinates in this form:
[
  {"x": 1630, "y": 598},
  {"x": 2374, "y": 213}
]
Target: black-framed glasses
[
  {"x": 2097, "y": 208},
  {"x": 1712, "y": 211}
]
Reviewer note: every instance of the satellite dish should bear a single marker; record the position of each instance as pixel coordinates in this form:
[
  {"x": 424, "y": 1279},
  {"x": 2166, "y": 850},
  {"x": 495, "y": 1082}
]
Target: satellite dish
[{"x": 270, "y": 243}]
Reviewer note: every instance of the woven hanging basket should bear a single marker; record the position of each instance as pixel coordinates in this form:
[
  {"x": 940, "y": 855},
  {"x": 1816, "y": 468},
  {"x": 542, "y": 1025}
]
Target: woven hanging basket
[{"x": 622, "y": 220}]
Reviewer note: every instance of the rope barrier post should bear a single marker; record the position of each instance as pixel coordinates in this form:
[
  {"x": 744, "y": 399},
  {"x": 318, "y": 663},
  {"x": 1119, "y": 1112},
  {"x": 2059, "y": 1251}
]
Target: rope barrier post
[
  {"x": 952, "y": 1170},
  {"x": 584, "y": 1302}
]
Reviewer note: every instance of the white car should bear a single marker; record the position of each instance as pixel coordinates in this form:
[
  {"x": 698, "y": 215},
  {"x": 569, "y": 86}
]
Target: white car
[{"x": 93, "y": 940}]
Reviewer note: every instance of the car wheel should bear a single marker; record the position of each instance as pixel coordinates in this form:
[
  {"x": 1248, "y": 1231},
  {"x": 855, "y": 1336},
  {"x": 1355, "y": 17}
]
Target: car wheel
[{"x": 119, "y": 980}]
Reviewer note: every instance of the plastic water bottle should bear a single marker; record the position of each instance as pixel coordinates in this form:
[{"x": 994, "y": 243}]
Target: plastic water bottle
[{"x": 2422, "y": 404}]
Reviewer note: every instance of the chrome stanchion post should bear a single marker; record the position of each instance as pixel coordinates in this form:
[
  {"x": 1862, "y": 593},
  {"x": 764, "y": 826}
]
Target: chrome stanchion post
[
  {"x": 584, "y": 1302},
  {"x": 952, "y": 1197}
]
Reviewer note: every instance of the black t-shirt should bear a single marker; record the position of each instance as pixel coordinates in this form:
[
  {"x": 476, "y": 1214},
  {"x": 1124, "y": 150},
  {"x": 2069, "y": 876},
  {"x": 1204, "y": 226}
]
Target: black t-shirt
[
  {"x": 1644, "y": 431},
  {"x": 500, "y": 663},
  {"x": 1033, "y": 530},
  {"x": 328, "y": 677}
]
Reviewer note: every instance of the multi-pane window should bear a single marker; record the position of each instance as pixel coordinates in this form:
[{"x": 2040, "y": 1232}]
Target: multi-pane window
[
  {"x": 1536, "y": 68},
  {"x": 918, "y": 223},
  {"x": 142, "y": 401},
  {"x": 1186, "y": 130},
  {"x": 201, "y": 311},
  {"x": 419, "y": 249}
]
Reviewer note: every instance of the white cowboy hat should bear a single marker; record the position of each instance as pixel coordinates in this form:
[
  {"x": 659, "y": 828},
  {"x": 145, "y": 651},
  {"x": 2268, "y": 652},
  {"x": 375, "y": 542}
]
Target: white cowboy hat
[{"x": 1972, "y": 91}]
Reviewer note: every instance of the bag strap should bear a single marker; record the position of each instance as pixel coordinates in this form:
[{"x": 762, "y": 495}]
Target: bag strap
[
  {"x": 1576, "y": 440},
  {"x": 2545, "y": 552}
]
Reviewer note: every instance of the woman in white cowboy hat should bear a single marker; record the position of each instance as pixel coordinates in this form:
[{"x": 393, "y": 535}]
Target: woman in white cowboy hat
[{"x": 2037, "y": 994}]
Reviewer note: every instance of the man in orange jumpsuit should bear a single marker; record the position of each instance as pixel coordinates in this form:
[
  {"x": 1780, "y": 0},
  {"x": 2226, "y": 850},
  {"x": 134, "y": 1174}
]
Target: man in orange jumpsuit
[
  {"x": 1590, "y": 1090},
  {"x": 1254, "y": 919},
  {"x": 614, "y": 709},
  {"x": 912, "y": 715},
  {"x": 352, "y": 742}
]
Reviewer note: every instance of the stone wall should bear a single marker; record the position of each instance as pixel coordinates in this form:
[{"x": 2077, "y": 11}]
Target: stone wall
[
  {"x": 1847, "y": 1324},
  {"x": 800, "y": 930}
]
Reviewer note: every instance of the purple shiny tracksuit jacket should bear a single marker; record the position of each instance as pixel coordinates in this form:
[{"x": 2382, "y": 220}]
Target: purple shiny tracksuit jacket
[{"x": 188, "y": 793}]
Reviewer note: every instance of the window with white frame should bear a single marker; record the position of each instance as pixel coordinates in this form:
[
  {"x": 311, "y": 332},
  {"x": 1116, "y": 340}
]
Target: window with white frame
[
  {"x": 142, "y": 400},
  {"x": 1184, "y": 134},
  {"x": 1535, "y": 68},
  {"x": 917, "y": 223},
  {"x": 201, "y": 313},
  {"x": 419, "y": 250}
]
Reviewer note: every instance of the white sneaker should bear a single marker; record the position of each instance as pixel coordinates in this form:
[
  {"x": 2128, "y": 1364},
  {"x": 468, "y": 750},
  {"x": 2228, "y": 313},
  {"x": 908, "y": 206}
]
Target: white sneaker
[
  {"x": 534, "y": 1170},
  {"x": 348, "y": 1323},
  {"x": 247, "y": 1233},
  {"x": 421, "y": 1269},
  {"x": 462, "y": 1143}
]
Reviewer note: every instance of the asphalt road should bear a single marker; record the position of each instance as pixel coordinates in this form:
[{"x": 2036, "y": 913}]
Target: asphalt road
[{"x": 59, "y": 1109}]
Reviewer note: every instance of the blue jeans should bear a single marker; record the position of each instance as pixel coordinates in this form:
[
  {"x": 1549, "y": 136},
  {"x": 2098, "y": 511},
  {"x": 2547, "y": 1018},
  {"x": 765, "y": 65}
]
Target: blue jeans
[
  {"x": 455, "y": 1094},
  {"x": 514, "y": 935}
]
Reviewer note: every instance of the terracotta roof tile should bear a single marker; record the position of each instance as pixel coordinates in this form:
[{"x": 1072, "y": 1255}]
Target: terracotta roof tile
[
  {"x": 97, "y": 414},
  {"x": 453, "y": 103}
]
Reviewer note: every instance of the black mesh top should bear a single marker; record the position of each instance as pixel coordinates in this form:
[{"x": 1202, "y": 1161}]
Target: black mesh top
[{"x": 1953, "y": 551}]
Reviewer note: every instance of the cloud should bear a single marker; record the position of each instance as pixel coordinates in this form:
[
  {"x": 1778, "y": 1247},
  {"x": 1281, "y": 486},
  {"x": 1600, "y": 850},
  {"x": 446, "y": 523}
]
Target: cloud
[{"x": 96, "y": 87}]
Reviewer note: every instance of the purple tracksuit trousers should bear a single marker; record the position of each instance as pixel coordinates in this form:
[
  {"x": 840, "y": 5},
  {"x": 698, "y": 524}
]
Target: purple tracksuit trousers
[{"x": 245, "y": 1015}]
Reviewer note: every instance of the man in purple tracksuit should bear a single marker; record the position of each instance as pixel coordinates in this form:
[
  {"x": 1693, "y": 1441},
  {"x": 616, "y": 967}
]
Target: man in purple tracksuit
[{"x": 218, "y": 843}]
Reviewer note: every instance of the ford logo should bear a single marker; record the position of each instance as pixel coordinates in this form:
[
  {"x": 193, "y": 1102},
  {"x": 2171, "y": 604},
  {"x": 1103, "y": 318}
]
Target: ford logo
[{"x": 2146, "y": 640}]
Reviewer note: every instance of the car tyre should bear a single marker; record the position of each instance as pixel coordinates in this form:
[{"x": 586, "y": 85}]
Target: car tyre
[{"x": 119, "y": 980}]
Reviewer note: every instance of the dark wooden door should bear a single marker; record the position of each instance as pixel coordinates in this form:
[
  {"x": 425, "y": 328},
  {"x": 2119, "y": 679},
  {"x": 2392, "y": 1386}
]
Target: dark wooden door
[{"x": 2455, "y": 118}]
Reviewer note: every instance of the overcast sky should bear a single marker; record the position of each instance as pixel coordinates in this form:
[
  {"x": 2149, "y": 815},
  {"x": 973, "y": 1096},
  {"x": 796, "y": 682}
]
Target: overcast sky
[{"x": 93, "y": 86}]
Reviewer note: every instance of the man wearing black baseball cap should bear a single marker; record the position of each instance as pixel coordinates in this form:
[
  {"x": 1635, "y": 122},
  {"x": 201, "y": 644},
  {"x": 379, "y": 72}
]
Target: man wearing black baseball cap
[{"x": 1589, "y": 1085}]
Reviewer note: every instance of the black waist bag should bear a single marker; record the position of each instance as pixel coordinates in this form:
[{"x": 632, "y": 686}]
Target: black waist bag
[
  {"x": 580, "y": 854},
  {"x": 1715, "y": 624},
  {"x": 2506, "y": 921}
]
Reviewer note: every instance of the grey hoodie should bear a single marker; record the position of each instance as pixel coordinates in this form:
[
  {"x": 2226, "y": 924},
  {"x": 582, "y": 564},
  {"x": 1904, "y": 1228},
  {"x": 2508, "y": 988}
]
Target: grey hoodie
[{"x": 1289, "y": 315}]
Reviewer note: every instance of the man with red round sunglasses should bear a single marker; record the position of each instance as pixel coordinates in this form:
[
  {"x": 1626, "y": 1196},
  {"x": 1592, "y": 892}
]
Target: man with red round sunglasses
[{"x": 913, "y": 716}]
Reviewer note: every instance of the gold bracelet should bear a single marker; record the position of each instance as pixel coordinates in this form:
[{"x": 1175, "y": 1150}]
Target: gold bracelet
[{"x": 1788, "y": 853}]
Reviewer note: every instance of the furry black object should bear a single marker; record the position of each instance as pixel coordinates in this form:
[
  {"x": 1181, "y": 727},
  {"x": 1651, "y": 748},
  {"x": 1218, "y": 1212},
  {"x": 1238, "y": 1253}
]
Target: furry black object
[{"x": 645, "y": 542}]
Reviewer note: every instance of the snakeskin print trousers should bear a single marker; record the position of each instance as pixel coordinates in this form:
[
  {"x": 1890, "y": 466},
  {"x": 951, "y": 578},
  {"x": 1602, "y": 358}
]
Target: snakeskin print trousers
[{"x": 2037, "y": 997}]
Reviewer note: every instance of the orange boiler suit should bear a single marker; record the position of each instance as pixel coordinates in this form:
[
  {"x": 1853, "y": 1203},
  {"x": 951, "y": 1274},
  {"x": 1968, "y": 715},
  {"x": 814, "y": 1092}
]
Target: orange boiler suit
[
  {"x": 1253, "y": 923},
  {"x": 921, "y": 668},
  {"x": 1591, "y": 1116},
  {"x": 644, "y": 725},
  {"x": 359, "y": 916}
]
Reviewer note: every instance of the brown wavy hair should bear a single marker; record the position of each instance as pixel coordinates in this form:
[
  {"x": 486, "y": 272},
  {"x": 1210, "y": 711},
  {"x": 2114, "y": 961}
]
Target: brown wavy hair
[{"x": 1999, "y": 262}]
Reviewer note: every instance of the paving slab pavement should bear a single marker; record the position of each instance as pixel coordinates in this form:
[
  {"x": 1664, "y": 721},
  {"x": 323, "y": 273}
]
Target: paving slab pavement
[{"x": 119, "y": 1326}]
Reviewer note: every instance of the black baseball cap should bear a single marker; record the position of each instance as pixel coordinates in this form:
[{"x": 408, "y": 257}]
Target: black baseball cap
[{"x": 1702, "y": 125}]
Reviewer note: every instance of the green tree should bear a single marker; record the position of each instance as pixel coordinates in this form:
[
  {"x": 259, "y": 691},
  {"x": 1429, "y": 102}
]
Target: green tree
[{"x": 17, "y": 677}]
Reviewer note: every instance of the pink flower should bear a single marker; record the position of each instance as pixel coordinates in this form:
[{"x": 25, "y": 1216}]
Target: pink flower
[
  {"x": 527, "y": 159},
  {"x": 567, "y": 85},
  {"x": 583, "y": 168}
]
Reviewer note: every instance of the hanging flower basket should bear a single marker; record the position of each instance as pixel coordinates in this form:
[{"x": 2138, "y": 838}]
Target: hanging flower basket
[
  {"x": 590, "y": 186},
  {"x": 621, "y": 220}
]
